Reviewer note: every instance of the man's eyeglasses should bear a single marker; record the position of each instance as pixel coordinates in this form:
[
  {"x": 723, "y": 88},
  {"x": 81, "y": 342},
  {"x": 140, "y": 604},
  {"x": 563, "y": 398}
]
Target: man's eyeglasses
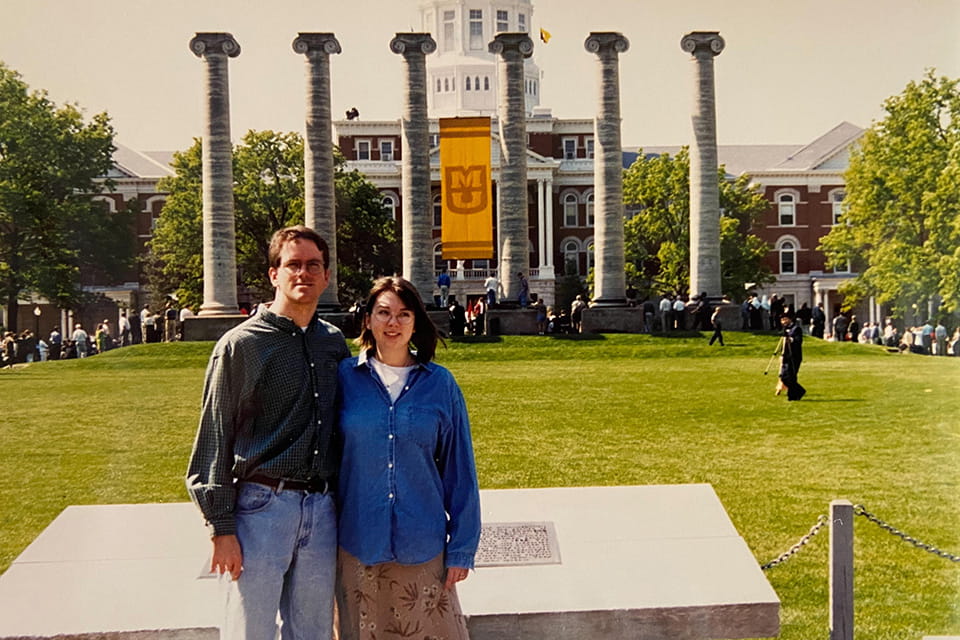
[
  {"x": 402, "y": 317},
  {"x": 314, "y": 267}
]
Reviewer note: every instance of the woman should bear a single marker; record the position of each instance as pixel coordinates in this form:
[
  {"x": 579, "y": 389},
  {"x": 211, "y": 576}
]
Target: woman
[{"x": 409, "y": 502}]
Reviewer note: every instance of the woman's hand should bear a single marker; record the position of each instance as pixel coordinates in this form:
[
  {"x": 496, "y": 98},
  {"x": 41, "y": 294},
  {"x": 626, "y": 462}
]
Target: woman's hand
[{"x": 455, "y": 575}]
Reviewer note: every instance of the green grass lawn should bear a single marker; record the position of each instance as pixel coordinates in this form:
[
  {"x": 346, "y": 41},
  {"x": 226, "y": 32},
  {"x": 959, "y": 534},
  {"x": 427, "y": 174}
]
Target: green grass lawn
[{"x": 876, "y": 428}]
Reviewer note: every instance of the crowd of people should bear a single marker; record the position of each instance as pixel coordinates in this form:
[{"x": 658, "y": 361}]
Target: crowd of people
[{"x": 148, "y": 327}]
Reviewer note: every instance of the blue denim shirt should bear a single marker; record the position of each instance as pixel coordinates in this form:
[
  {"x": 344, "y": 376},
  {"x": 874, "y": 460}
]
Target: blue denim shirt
[{"x": 408, "y": 483}]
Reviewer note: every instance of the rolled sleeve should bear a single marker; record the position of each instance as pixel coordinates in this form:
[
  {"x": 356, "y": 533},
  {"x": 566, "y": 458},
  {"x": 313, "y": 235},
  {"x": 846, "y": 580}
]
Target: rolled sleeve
[{"x": 460, "y": 486}]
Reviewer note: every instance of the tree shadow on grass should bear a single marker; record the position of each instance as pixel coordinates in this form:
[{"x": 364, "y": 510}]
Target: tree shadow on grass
[{"x": 577, "y": 337}]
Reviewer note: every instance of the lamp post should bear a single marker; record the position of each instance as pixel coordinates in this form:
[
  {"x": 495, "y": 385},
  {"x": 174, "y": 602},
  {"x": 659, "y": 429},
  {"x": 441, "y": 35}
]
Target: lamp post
[{"x": 36, "y": 333}]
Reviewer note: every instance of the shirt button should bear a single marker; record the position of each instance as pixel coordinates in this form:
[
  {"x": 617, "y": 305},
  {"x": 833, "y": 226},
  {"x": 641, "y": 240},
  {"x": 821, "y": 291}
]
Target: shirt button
[
  {"x": 389, "y": 465},
  {"x": 316, "y": 453},
  {"x": 390, "y": 496},
  {"x": 316, "y": 395},
  {"x": 319, "y": 421},
  {"x": 311, "y": 365},
  {"x": 390, "y": 437}
]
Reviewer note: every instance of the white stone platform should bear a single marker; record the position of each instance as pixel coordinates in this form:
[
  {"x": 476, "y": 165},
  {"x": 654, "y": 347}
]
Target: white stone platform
[{"x": 636, "y": 562}]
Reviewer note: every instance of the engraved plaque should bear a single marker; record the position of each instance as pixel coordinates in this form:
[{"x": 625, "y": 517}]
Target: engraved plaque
[{"x": 505, "y": 544}]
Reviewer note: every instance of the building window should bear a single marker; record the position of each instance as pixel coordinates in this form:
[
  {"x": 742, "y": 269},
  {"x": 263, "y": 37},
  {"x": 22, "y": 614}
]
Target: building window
[
  {"x": 589, "y": 145},
  {"x": 438, "y": 85},
  {"x": 836, "y": 204},
  {"x": 589, "y": 256},
  {"x": 787, "y": 209},
  {"x": 449, "y": 28},
  {"x": 486, "y": 83},
  {"x": 522, "y": 22},
  {"x": 788, "y": 257},
  {"x": 590, "y": 220},
  {"x": 570, "y": 210},
  {"x": 434, "y": 140},
  {"x": 446, "y": 84},
  {"x": 476, "y": 29},
  {"x": 503, "y": 21},
  {"x": 438, "y": 263},
  {"x": 467, "y": 85},
  {"x": 437, "y": 212},
  {"x": 363, "y": 149},
  {"x": 569, "y": 148},
  {"x": 390, "y": 205},
  {"x": 571, "y": 257},
  {"x": 386, "y": 150}
]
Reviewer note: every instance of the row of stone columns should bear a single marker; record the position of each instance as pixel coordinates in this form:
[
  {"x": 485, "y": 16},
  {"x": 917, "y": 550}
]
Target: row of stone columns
[{"x": 219, "y": 255}]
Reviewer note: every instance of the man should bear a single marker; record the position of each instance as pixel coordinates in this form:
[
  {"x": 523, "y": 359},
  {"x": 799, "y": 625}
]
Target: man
[
  {"x": 576, "y": 313},
  {"x": 523, "y": 297},
  {"x": 679, "y": 314},
  {"x": 819, "y": 319},
  {"x": 443, "y": 283},
  {"x": 264, "y": 459},
  {"x": 56, "y": 343},
  {"x": 124, "y": 330},
  {"x": 149, "y": 323},
  {"x": 490, "y": 285},
  {"x": 926, "y": 337},
  {"x": 792, "y": 355},
  {"x": 170, "y": 316},
  {"x": 82, "y": 340},
  {"x": 666, "y": 313},
  {"x": 940, "y": 334}
]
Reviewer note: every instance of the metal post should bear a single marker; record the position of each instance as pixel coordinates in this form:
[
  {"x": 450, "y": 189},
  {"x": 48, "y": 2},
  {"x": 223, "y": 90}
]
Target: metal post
[{"x": 841, "y": 570}]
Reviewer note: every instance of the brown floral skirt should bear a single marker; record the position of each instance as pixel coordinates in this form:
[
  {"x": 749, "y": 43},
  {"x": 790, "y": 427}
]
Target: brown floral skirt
[{"x": 388, "y": 601}]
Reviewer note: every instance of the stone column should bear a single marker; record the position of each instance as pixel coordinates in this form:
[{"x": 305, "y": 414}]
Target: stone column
[
  {"x": 319, "y": 198},
  {"x": 609, "y": 277},
  {"x": 704, "y": 188},
  {"x": 415, "y": 165},
  {"x": 512, "y": 216},
  {"x": 219, "y": 230}
]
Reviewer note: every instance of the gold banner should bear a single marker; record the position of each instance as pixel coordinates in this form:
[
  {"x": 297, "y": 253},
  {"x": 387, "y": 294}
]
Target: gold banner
[{"x": 467, "y": 229}]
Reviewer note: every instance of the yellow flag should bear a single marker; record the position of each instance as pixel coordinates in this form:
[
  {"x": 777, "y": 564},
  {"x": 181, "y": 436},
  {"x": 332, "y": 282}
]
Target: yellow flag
[
  {"x": 467, "y": 229},
  {"x": 545, "y": 36}
]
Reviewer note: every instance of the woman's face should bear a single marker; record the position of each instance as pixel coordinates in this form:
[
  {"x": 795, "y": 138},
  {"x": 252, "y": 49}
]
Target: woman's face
[{"x": 391, "y": 322}]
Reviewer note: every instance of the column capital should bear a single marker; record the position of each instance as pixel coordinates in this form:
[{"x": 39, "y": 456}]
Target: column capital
[
  {"x": 413, "y": 43},
  {"x": 702, "y": 42},
  {"x": 307, "y": 43},
  {"x": 606, "y": 41},
  {"x": 507, "y": 42},
  {"x": 214, "y": 42}
]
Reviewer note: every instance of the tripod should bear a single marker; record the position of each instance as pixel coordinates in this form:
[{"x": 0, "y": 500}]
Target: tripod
[{"x": 776, "y": 354}]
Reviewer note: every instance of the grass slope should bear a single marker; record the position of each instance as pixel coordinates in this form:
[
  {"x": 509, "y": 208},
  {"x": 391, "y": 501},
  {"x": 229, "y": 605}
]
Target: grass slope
[{"x": 876, "y": 428}]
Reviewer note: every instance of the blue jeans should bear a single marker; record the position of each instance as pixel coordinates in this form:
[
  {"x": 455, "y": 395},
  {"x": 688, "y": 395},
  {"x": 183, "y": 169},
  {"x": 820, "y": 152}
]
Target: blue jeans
[{"x": 289, "y": 544}]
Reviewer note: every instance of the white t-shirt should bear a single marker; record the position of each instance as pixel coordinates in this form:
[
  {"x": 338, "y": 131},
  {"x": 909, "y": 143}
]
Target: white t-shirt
[{"x": 393, "y": 378}]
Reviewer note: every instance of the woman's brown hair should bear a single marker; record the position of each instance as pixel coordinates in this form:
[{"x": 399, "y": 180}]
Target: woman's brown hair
[{"x": 425, "y": 335}]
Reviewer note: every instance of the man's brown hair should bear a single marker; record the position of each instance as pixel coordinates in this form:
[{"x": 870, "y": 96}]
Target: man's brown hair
[{"x": 285, "y": 235}]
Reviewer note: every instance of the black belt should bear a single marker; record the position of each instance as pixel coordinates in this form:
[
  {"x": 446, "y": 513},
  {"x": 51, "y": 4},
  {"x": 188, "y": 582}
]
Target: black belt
[{"x": 314, "y": 485}]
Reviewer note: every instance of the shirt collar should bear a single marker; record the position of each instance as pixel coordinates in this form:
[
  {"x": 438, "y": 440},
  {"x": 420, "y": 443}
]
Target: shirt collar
[
  {"x": 363, "y": 360},
  {"x": 280, "y": 322}
]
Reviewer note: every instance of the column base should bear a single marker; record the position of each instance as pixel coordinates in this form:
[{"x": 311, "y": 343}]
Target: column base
[
  {"x": 218, "y": 309},
  {"x": 211, "y": 327},
  {"x": 609, "y": 302}
]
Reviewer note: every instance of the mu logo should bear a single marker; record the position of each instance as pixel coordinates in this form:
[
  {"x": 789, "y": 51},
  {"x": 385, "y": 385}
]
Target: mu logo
[{"x": 465, "y": 189}]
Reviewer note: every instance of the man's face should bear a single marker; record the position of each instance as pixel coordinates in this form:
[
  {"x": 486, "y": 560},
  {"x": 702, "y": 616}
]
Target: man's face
[
  {"x": 784, "y": 321},
  {"x": 300, "y": 278}
]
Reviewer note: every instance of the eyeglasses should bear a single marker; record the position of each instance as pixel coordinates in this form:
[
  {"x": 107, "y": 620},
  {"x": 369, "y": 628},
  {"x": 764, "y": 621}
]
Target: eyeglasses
[
  {"x": 404, "y": 316},
  {"x": 314, "y": 267}
]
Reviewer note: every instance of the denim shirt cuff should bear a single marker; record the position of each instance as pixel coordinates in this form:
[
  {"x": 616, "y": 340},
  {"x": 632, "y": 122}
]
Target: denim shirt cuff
[{"x": 459, "y": 559}]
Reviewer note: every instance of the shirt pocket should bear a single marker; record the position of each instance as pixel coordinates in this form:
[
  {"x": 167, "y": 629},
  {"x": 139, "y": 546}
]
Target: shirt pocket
[
  {"x": 253, "y": 497},
  {"x": 420, "y": 425}
]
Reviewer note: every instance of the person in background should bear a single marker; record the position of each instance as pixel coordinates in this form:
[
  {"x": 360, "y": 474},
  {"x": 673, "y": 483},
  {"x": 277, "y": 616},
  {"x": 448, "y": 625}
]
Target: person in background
[
  {"x": 56, "y": 343},
  {"x": 408, "y": 493},
  {"x": 523, "y": 296},
  {"x": 82, "y": 340},
  {"x": 792, "y": 356},
  {"x": 124, "y": 331},
  {"x": 443, "y": 283}
]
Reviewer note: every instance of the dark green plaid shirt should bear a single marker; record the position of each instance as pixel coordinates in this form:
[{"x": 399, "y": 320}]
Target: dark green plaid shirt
[{"x": 268, "y": 408}]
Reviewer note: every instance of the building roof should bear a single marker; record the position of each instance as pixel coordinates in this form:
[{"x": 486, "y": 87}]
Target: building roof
[
  {"x": 130, "y": 163},
  {"x": 829, "y": 145}
]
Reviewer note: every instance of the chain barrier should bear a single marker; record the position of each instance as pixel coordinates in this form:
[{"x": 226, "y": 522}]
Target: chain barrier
[
  {"x": 822, "y": 521},
  {"x": 859, "y": 510}
]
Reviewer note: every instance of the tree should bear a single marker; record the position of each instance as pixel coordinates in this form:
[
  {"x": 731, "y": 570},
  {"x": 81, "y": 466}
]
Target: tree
[
  {"x": 901, "y": 220},
  {"x": 53, "y": 237},
  {"x": 268, "y": 195},
  {"x": 657, "y": 238}
]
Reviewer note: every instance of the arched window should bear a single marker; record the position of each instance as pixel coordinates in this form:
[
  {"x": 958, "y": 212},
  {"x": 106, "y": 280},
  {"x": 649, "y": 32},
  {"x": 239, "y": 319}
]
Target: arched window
[
  {"x": 446, "y": 84},
  {"x": 438, "y": 263},
  {"x": 788, "y": 257},
  {"x": 467, "y": 86},
  {"x": 486, "y": 83},
  {"x": 570, "y": 210},
  {"x": 589, "y": 255},
  {"x": 390, "y": 204},
  {"x": 571, "y": 257},
  {"x": 437, "y": 211},
  {"x": 786, "y": 210},
  {"x": 590, "y": 220},
  {"x": 476, "y": 83},
  {"x": 438, "y": 85}
]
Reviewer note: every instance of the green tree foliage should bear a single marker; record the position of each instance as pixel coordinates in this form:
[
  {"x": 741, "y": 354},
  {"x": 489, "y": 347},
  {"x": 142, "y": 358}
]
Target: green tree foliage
[
  {"x": 901, "y": 223},
  {"x": 53, "y": 237},
  {"x": 268, "y": 195},
  {"x": 657, "y": 238}
]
